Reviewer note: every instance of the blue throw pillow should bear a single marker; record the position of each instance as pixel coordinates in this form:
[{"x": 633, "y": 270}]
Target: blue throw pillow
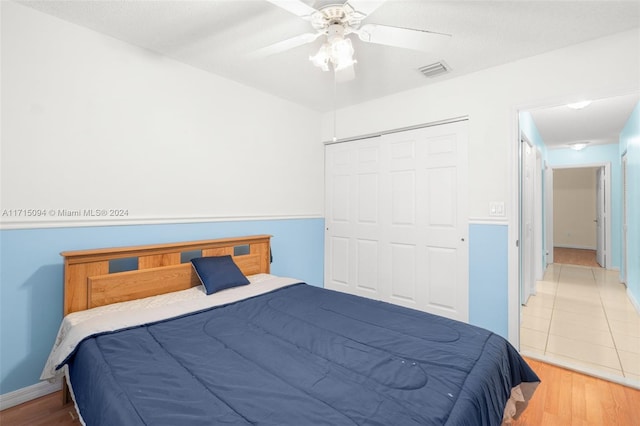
[{"x": 218, "y": 273}]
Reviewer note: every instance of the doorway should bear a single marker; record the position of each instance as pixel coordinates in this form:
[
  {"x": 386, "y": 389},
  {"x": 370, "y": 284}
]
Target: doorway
[
  {"x": 590, "y": 302},
  {"x": 579, "y": 216},
  {"x": 570, "y": 320}
]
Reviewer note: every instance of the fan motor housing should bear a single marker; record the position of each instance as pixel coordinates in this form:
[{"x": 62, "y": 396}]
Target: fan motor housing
[{"x": 335, "y": 14}]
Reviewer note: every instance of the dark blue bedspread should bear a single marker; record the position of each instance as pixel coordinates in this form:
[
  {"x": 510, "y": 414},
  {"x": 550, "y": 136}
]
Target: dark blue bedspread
[{"x": 297, "y": 356}]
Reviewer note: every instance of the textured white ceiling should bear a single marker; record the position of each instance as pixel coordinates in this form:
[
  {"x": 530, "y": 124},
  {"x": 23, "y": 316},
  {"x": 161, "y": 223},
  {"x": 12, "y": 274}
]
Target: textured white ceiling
[{"x": 219, "y": 35}]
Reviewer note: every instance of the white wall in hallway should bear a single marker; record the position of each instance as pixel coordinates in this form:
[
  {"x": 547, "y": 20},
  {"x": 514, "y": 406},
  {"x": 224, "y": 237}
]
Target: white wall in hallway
[{"x": 574, "y": 208}]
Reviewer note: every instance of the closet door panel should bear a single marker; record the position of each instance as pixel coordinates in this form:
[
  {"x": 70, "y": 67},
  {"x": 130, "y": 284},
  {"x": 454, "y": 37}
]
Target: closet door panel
[{"x": 396, "y": 219}]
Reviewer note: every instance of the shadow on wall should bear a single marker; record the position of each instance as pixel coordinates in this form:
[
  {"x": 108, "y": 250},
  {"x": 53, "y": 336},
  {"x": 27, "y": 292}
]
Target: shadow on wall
[{"x": 39, "y": 322}]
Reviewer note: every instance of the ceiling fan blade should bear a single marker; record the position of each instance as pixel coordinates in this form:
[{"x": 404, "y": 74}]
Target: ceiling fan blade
[
  {"x": 296, "y": 7},
  {"x": 366, "y": 7},
  {"x": 345, "y": 74},
  {"x": 287, "y": 44},
  {"x": 425, "y": 41}
]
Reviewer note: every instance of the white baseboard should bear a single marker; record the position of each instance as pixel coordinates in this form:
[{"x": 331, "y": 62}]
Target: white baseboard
[
  {"x": 633, "y": 300},
  {"x": 575, "y": 246},
  {"x": 17, "y": 397}
]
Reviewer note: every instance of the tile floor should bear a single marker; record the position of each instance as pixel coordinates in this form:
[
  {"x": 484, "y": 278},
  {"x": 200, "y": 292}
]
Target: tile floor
[{"x": 581, "y": 317}]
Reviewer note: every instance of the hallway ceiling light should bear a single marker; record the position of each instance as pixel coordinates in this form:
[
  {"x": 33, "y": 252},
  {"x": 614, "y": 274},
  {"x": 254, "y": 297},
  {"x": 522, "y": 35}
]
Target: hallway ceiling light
[
  {"x": 578, "y": 146},
  {"x": 579, "y": 105}
]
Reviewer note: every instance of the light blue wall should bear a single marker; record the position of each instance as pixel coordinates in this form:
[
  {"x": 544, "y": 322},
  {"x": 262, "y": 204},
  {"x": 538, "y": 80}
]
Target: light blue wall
[
  {"x": 593, "y": 155},
  {"x": 488, "y": 277},
  {"x": 528, "y": 127},
  {"x": 630, "y": 142},
  {"x": 31, "y": 275}
]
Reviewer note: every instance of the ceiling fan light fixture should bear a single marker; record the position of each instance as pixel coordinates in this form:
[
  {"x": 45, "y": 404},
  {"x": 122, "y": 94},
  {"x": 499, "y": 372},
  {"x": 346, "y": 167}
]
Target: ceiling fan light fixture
[
  {"x": 341, "y": 54},
  {"x": 336, "y": 21},
  {"x": 321, "y": 59},
  {"x": 338, "y": 51}
]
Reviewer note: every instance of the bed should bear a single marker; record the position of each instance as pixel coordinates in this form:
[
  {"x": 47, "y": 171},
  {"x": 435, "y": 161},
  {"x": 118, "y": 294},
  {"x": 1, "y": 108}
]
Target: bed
[{"x": 150, "y": 346}]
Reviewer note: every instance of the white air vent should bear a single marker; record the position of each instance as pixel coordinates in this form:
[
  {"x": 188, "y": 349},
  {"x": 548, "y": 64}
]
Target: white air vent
[{"x": 434, "y": 69}]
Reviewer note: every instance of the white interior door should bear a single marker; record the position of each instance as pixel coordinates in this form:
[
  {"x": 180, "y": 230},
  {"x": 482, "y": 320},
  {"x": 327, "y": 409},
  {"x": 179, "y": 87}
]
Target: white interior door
[
  {"x": 537, "y": 219},
  {"x": 601, "y": 217},
  {"x": 527, "y": 223},
  {"x": 396, "y": 219},
  {"x": 548, "y": 214},
  {"x": 624, "y": 218}
]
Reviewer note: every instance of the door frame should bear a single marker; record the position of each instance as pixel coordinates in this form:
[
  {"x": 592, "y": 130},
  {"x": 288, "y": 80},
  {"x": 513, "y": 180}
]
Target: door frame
[
  {"x": 530, "y": 250},
  {"x": 538, "y": 206},
  {"x": 606, "y": 165},
  {"x": 513, "y": 291},
  {"x": 625, "y": 218},
  {"x": 601, "y": 213},
  {"x": 548, "y": 214}
]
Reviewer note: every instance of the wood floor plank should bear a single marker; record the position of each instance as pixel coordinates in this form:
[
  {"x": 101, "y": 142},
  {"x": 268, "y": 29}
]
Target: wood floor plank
[
  {"x": 571, "y": 256},
  {"x": 565, "y": 395},
  {"x": 595, "y": 397},
  {"x": 624, "y": 399},
  {"x": 44, "y": 411},
  {"x": 593, "y": 401},
  {"x": 578, "y": 397}
]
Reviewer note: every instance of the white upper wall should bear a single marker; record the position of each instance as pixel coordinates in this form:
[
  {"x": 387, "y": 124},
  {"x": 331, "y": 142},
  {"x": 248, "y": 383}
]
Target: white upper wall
[
  {"x": 491, "y": 98},
  {"x": 90, "y": 122}
]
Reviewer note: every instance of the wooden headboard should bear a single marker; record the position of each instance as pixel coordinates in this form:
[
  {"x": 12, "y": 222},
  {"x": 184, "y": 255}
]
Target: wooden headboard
[{"x": 160, "y": 269}]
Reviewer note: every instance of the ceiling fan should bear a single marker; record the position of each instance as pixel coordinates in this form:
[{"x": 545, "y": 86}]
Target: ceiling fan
[{"x": 336, "y": 22}]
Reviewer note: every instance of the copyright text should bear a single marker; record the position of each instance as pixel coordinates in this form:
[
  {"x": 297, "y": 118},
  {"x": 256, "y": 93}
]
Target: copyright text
[{"x": 65, "y": 213}]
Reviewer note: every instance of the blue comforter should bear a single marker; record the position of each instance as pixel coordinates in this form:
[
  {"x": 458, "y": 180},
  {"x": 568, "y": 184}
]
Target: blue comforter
[{"x": 300, "y": 355}]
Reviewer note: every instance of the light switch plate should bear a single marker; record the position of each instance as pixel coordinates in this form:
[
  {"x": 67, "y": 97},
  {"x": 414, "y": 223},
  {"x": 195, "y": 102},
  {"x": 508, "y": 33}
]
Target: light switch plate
[{"x": 496, "y": 209}]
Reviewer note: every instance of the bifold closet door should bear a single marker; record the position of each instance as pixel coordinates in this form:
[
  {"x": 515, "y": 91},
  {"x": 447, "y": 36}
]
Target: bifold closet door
[{"x": 396, "y": 219}]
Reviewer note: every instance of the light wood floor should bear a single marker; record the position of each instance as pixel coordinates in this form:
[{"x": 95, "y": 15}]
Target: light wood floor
[
  {"x": 44, "y": 411},
  {"x": 563, "y": 398},
  {"x": 567, "y": 398},
  {"x": 571, "y": 256}
]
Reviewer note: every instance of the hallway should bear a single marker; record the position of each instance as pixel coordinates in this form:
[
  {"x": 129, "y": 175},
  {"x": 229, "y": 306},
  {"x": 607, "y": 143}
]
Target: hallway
[{"x": 581, "y": 318}]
